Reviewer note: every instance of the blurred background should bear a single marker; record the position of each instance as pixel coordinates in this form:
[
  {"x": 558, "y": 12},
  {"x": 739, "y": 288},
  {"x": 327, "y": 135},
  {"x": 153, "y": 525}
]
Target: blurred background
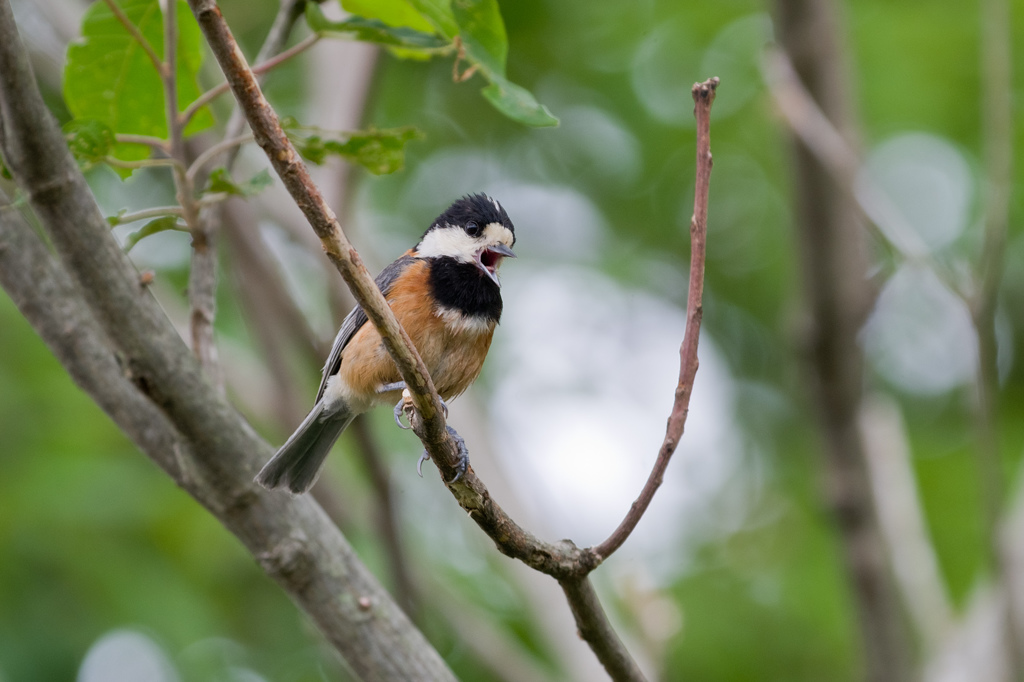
[{"x": 108, "y": 572}]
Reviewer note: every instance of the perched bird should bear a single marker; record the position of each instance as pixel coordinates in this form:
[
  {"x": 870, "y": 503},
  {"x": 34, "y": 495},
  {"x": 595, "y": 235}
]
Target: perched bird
[{"x": 445, "y": 292}]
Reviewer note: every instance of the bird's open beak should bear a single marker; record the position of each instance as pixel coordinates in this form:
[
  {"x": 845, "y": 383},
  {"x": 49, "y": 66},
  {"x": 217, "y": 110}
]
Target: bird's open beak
[{"x": 488, "y": 259}]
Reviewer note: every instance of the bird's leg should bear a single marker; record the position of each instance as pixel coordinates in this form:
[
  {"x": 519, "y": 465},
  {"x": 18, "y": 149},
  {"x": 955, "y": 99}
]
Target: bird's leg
[
  {"x": 460, "y": 467},
  {"x": 400, "y": 406}
]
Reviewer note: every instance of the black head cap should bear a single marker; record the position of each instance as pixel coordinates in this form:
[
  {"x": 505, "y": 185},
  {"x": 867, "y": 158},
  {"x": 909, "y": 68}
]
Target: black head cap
[{"x": 474, "y": 208}]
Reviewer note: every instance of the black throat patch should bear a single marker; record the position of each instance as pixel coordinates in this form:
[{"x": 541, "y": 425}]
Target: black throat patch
[{"x": 461, "y": 286}]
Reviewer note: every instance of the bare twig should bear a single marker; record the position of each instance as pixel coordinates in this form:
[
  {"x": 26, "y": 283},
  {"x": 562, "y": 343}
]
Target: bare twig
[
  {"x": 158, "y": 212},
  {"x": 202, "y": 277},
  {"x": 703, "y": 98},
  {"x": 834, "y": 262},
  {"x": 141, "y": 163},
  {"x": 213, "y": 152},
  {"x": 292, "y": 539},
  {"x": 808, "y": 122},
  {"x": 154, "y": 142},
  {"x": 260, "y": 68}
]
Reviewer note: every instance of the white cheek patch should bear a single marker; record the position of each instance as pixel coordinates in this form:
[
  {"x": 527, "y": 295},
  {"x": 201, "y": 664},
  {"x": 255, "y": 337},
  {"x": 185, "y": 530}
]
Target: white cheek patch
[
  {"x": 452, "y": 241},
  {"x": 448, "y": 241},
  {"x": 496, "y": 233}
]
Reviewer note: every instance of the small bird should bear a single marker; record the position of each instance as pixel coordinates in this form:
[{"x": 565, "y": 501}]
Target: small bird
[{"x": 446, "y": 294}]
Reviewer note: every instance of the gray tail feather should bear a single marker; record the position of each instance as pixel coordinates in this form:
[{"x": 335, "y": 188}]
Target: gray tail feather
[{"x": 297, "y": 464}]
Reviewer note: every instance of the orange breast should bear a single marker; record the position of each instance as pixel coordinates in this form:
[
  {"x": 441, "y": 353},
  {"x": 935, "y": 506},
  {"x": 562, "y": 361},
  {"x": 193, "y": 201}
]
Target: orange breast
[{"x": 453, "y": 350}]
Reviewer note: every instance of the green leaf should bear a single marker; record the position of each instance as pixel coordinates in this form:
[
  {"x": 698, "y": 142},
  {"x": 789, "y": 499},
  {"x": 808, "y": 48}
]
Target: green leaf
[
  {"x": 372, "y": 31},
  {"x": 379, "y": 151},
  {"x": 90, "y": 140},
  {"x": 168, "y": 222},
  {"x": 391, "y": 12},
  {"x": 518, "y": 104},
  {"x": 221, "y": 181},
  {"x": 439, "y": 14},
  {"x": 109, "y": 77},
  {"x": 485, "y": 41},
  {"x": 483, "y": 35}
]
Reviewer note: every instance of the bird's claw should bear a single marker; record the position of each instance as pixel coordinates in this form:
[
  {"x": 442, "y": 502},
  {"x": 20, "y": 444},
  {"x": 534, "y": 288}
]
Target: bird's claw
[
  {"x": 463, "y": 464},
  {"x": 461, "y": 467},
  {"x": 399, "y": 411}
]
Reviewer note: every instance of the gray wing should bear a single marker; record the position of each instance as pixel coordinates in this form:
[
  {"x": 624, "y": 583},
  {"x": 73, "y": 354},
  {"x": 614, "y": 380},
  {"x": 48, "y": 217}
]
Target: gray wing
[{"x": 356, "y": 319}]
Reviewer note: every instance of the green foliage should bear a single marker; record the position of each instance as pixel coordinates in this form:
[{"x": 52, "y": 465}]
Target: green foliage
[
  {"x": 475, "y": 25},
  {"x": 482, "y": 32},
  {"x": 372, "y": 31},
  {"x": 221, "y": 181},
  {"x": 90, "y": 140},
  {"x": 109, "y": 77},
  {"x": 391, "y": 12},
  {"x": 167, "y": 222},
  {"x": 378, "y": 151}
]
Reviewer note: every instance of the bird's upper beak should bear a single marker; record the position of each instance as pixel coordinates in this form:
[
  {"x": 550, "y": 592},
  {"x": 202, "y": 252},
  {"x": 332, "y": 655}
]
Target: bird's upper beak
[{"x": 489, "y": 258}]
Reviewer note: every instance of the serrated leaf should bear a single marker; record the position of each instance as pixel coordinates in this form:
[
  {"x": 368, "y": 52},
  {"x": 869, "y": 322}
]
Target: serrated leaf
[
  {"x": 391, "y": 12},
  {"x": 90, "y": 140},
  {"x": 222, "y": 182},
  {"x": 518, "y": 103},
  {"x": 379, "y": 151},
  {"x": 372, "y": 31},
  {"x": 163, "y": 224},
  {"x": 108, "y": 76}
]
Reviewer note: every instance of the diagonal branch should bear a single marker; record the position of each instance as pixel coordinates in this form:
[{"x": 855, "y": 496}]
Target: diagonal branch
[{"x": 291, "y": 537}]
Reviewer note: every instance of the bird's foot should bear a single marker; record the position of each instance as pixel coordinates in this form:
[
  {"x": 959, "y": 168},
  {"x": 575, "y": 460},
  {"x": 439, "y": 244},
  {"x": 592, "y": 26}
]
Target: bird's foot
[
  {"x": 399, "y": 411},
  {"x": 405, "y": 405},
  {"x": 460, "y": 467}
]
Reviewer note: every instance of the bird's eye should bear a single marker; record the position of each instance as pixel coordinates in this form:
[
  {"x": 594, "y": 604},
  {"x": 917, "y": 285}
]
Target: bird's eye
[{"x": 473, "y": 229}]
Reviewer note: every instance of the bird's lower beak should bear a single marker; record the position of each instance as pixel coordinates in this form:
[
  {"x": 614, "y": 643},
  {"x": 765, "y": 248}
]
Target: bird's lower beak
[{"x": 489, "y": 258}]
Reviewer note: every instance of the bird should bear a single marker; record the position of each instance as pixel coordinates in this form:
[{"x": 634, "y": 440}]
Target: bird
[{"x": 446, "y": 293}]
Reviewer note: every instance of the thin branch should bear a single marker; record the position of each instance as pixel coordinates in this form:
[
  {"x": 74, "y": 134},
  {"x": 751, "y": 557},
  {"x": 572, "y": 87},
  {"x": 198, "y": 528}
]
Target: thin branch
[
  {"x": 703, "y": 98},
  {"x": 215, "y": 151},
  {"x": 596, "y": 631},
  {"x": 155, "y": 142},
  {"x": 202, "y": 277},
  {"x": 160, "y": 66},
  {"x": 807, "y": 121},
  {"x": 260, "y": 68},
  {"x": 142, "y": 163},
  {"x": 158, "y": 212},
  {"x": 292, "y": 539},
  {"x": 997, "y": 107},
  {"x": 902, "y": 522}
]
